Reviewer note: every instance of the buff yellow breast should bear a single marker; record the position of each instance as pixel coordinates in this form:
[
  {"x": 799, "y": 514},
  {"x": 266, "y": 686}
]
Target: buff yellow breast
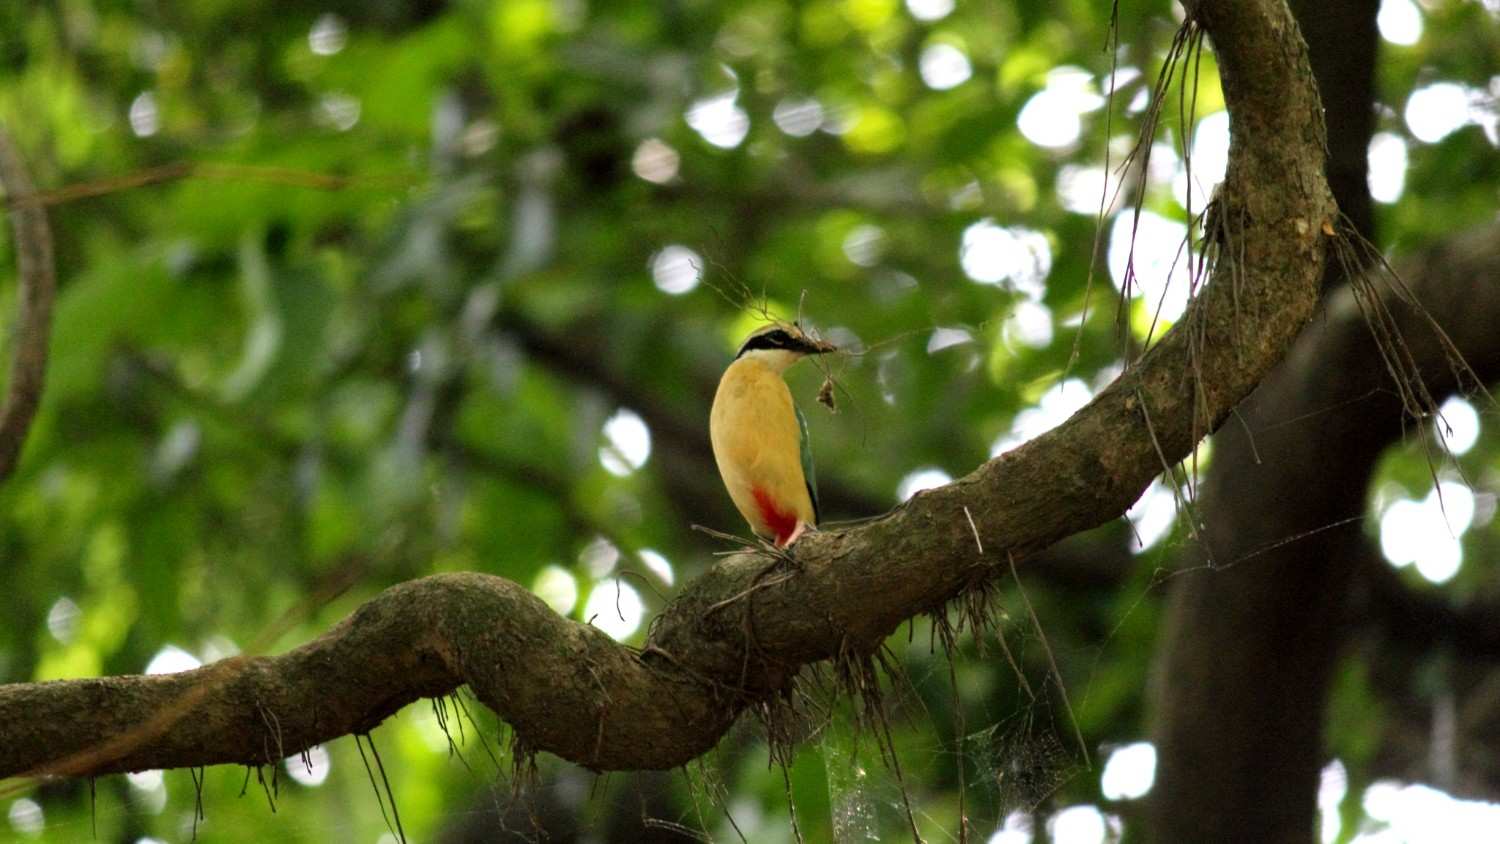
[{"x": 758, "y": 445}]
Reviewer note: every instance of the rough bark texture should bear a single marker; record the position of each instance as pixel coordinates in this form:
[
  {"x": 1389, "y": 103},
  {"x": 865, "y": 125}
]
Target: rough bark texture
[
  {"x": 1251, "y": 644},
  {"x": 569, "y": 690}
]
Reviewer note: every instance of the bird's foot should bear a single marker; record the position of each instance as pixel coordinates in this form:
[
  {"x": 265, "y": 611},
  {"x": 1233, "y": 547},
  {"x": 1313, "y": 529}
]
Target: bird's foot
[
  {"x": 796, "y": 534},
  {"x": 783, "y": 551},
  {"x": 779, "y": 553}
]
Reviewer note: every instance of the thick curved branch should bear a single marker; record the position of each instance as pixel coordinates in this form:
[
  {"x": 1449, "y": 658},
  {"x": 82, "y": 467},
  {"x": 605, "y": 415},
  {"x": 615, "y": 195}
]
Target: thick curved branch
[
  {"x": 563, "y": 685},
  {"x": 36, "y": 278},
  {"x": 740, "y": 633}
]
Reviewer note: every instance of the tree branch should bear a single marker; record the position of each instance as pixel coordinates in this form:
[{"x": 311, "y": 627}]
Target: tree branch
[
  {"x": 567, "y": 689},
  {"x": 36, "y": 278}
]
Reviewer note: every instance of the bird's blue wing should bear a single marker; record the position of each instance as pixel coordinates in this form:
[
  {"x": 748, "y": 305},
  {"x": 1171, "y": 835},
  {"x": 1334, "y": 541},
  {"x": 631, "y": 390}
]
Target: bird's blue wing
[{"x": 807, "y": 464}]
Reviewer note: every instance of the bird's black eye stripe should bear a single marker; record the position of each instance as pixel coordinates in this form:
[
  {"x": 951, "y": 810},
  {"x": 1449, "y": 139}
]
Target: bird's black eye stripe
[{"x": 777, "y": 339}]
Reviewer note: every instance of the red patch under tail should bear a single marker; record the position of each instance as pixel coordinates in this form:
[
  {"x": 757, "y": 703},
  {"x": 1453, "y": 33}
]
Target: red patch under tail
[{"x": 782, "y": 523}]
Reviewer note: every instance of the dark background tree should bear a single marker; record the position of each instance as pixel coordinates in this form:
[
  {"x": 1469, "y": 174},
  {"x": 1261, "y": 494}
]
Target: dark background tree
[{"x": 407, "y": 284}]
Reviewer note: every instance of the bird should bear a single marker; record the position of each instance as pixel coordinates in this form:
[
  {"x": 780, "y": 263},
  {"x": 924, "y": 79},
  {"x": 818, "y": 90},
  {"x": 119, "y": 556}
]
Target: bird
[{"x": 759, "y": 435}]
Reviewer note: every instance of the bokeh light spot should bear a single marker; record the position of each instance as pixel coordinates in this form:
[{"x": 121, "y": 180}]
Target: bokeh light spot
[
  {"x": 1387, "y": 167},
  {"x": 1457, "y": 426},
  {"x": 929, "y": 10},
  {"x": 944, "y": 66},
  {"x": 557, "y": 588},
  {"x": 1434, "y": 112},
  {"x": 26, "y": 817},
  {"x": 170, "y": 660},
  {"x": 1159, "y": 272},
  {"x": 720, "y": 120},
  {"x": 676, "y": 269},
  {"x": 627, "y": 443},
  {"x": 658, "y": 564},
  {"x": 991, "y": 253},
  {"x": 309, "y": 769},
  {"x": 798, "y": 117},
  {"x": 655, "y": 161},
  {"x": 929, "y": 477},
  {"x": 1053, "y": 117},
  {"x": 1078, "y": 825},
  {"x": 328, "y": 34},
  {"x": 1400, "y": 22},
  {"x": 616, "y": 608},
  {"x": 1129, "y": 772}
]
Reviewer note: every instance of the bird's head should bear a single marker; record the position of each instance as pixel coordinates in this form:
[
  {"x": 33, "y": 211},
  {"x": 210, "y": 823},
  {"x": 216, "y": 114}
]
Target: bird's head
[{"x": 781, "y": 344}]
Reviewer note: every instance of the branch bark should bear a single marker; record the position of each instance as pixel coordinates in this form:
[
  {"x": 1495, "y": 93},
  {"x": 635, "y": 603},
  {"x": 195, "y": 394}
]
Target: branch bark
[
  {"x": 36, "y": 277},
  {"x": 735, "y": 636}
]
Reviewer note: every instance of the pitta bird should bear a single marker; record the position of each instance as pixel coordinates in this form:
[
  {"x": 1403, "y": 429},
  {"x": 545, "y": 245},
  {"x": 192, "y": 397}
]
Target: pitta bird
[{"x": 760, "y": 436}]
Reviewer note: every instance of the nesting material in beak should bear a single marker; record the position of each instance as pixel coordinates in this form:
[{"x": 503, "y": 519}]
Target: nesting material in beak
[{"x": 819, "y": 347}]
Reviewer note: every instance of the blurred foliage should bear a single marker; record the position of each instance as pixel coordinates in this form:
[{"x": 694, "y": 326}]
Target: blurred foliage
[{"x": 379, "y": 331}]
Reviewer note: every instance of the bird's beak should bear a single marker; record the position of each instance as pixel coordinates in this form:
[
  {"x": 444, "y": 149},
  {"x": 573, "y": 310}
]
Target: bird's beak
[{"x": 817, "y": 347}]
